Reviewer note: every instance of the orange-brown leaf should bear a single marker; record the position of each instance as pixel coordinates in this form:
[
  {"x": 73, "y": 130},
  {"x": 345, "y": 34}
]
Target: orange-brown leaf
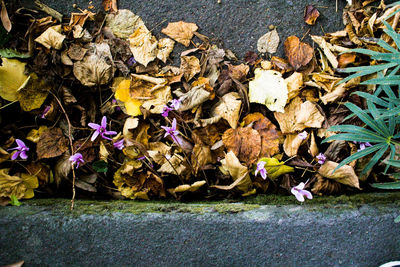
[
  {"x": 310, "y": 15},
  {"x": 298, "y": 53},
  {"x": 52, "y": 143}
]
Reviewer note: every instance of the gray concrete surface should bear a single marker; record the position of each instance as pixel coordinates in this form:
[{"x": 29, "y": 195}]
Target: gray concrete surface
[
  {"x": 235, "y": 24},
  {"x": 290, "y": 235}
]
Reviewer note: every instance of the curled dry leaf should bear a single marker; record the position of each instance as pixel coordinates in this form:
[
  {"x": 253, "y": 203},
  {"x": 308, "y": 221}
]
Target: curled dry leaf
[
  {"x": 180, "y": 31},
  {"x": 309, "y": 115},
  {"x": 188, "y": 188},
  {"x": 175, "y": 165},
  {"x": 93, "y": 71},
  {"x": 324, "y": 186},
  {"x": 313, "y": 150},
  {"x": 298, "y": 53},
  {"x": 42, "y": 171},
  {"x": 190, "y": 66},
  {"x": 344, "y": 175},
  {"x": 238, "y": 72},
  {"x": 294, "y": 84},
  {"x": 245, "y": 143},
  {"x": 51, "y": 38},
  {"x": 238, "y": 172},
  {"x": 123, "y": 23},
  {"x": 195, "y": 97},
  {"x": 12, "y": 78},
  {"x": 130, "y": 124},
  {"x": 268, "y": 88},
  {"x": 143, "y": 45},
  {"x": 288, "y": 119},
  {"x": 52, "y": 143},
  {"x": 201, "y": 156},
  {"x": 228, "y": 108},
  {"x": 165, "y": 47},
  {"x": 268, "y": 43},
  {"x": 20, "y": 186},
  {"x": 291, "y": 144},
  {"x": 157, "y": 151},
  {"x": 338, "y": 91},
  {"x": 346, "y": 59},
  {"x": 326, "y": 48},
  {"x": 110, "y": 5},
  {"x": 310, "y": 15},
  {"x": 4, "y": 17}
]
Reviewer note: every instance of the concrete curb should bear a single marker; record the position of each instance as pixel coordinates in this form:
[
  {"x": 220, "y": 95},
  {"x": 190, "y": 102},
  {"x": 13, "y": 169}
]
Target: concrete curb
[{"x": 200, "y": 235}]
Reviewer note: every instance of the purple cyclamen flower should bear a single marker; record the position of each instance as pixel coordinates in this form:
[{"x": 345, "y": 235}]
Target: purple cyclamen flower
[
  {"x": 364, "y": 145},
  {"x": 172, "y": 132},
  {"x": 21, "y": 150},
  {"x": 119, "y": 144},
  {"x": 45, "y": 111},
  {"x": 261, "y": 169},
  {"x": 76, "y": 159},
  {"x": 166, "y": 109},
  {"x": 101, "y": 129},
  {"x": 131, "y": 61},
  {"x": 176, "y": 104},
  {"x": 321, "y": 158},
  {"x": 299, "y": 192},
  {"x": 303, "y": 135}
]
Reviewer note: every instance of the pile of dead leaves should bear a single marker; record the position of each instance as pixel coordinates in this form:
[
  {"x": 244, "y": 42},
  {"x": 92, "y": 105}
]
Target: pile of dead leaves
[{"x": 57, "y": 77}]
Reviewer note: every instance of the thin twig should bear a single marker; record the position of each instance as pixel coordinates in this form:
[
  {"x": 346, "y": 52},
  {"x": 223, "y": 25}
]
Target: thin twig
[{"x": 71, "y": 147}]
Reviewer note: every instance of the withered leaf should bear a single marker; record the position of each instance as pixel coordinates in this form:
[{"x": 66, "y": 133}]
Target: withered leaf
[
  {"x": 245, "y": 143},
  {"x": 200, "y": 157},
  {"x": 189, "y": 188},
  {"x": 288, "y": 119},
  {"x": 346, "y": 59},
  {"x": 124, "y": 23},
  {"x": 310, "y": 15},
  {"x": 51, "y": 38},
  {"x": 165, "y": 47},
  {"x": 110, "y": 5},
  {"x": 143, "y": 45},
  {"x": 228, "y": 108},
  {"x": 268, "y": 43},
  {"x": 298, "y": 53},
  {"x": 21, "y": 186},
  {"x": 93, "y": 70},
  {"x": 309, "y": 115},
  {"x": 344, "y": 175},
  {"x": 180, "y": 31},
  {"x": 4, "y": 17},
  {"x": 52, "y": 143},
  {"x": 325, "y": 186},
  {"x": 190, "y": 66},
  {"x": 292, "y": 144},
  {"x": 76, "y": 52}
]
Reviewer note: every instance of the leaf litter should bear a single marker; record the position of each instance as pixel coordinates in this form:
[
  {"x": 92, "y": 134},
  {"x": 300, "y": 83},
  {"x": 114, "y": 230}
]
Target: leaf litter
[{"x": 203, "y": 129}]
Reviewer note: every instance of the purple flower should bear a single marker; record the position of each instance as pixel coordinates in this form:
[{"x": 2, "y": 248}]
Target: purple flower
[
  {"x": 115, "y": 103},
  {"x": 321, "y": 158},
  {"x": 261, "y": 169},
  {"x": 131, "y": 61},
  {"x": 45, "y": 111},
  {"x": 166, "y": 109},
  {"x": 364, "y": 145},
  {"x": 101, "y": 129},
  {"x": 299, "y": 192},
  {"x": 176, "y": 103},
  {"x": 21, "y": 150},
  {"x": 303, "y": 135},
  {"x": 119, "y": 144},
  {"x": 76, "y": 159},
  {"x": 172, "y": 132}
]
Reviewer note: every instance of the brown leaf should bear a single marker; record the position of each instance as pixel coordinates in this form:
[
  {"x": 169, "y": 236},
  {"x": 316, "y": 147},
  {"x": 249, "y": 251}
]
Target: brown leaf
[
  {"x": 51, "y": 38},
  {"x": 42, "y": 172},
  {"x": 344, "y": 175},
  {"x": 93, "y": 71},
  {"x": 325, "y": 186},
  {"x": 4, "y": 17},
  {"x": 309, "y": 115},
  {"x": 76, "y": 52},
  {"x": 346, "y": 59},
  {"x": 124, "y": 23},
  {"x": 292, "y": 144},
  {"x": 310, "y": 15},
  {"x": 19, "y": 185},
  {"x": 110, "y": 5},
  {"x": 228, "y": 108},
  {"x": 188, "y": 188},
  {"x": 298, "y": 53},
  {"x": 313, "y": 150},
  {"x": 52, "y": 143},
  {"x": 190, "y": 66},
  {"x": 244, "y": 142},
  {"x": 180, "y": 31},
  {"x": 294, "y": 84},
  {"x": 288, "y": 119},
  {"x": 267, "y": 130},
  {"x": 200, "y": 157},
  {"x": 238, "y": 72},
  {"x": 17, "y": 264}
]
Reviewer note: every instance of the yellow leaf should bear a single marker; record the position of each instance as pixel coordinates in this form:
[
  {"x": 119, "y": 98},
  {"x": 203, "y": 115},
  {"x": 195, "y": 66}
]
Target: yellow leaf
[
  {"x": 12, "y": 77},
  {"x": 33, "y": 93},
  {"x": 122, "y": 94},
  {"x": 20, "y": 186},
  {"x": 191, "y": 188},
  {"x": 268, "y": 88},
  {"x": 275, "y": 168},
  {"x": 34, "y": 135}
]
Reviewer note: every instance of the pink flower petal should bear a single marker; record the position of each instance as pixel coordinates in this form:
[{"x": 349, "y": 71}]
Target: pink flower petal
[
  {"x": 104, "y": 122},
  {"x": 306, "y": 193},
  {"x": 15, "y": 155},
  {"x": 94, "y": 136},
  {"x": 23, "y": 155},
  {"x": 94, "y": 125}
]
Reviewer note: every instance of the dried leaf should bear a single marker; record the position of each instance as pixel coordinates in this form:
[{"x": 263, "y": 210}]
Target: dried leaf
[
  {"x": 298, "y": 53},
  {"x": 238, "y": 72},
  {"x": 158, "y": 151},
  {"x": 228, "y": 108},
  {"x": 175, "y": 165},
  {"x": 294, "y": 84},
  {"x": 292, "y": 144},
  {"x": 313, "y": 150},
  {"x": 190, "y": 66},
  {"x": 189, "y": 188},
  {"x": 346, "y": 59},
  {"x": 238, "y": 172},
  {"x": 200, "y": 157},
  {"x": 4, "y": 17},
  {"x": 344, "y": 175},
  {"x": 309, "y": 115},
  {"x": 245, "y": 143},
  {"x": 34, "y": 135},
  {"x": 326, "y": 48},
  {"x": 42, "y": 172},
  {"x": 268, "y": 88},
  {"x": 33, "y": 93},
  {"x": 76, "y": 52},
  {"x": 51, "y": 38},
  {"x": 130, "y": 124},
  {"x": 288, "y": 119},
  {"x": 310, "y": 15},
  {"x": 143, "y": 45},
  {"x": 165, "y": 47},
  {"x": 195, "y": 97},
  {"x": 93, "y": 71},
  {"x": 325, "y": 186},
  {"x": 180, "y": 31},
  {"x": 110, "y": 5},
  {"x": 20, "y": 186},
  {"x": 124, "y": 23},
  {"x": 268, "y": 43},
  {"x": 12, "y": 78},
  {"x": 52, "y": 143}
]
